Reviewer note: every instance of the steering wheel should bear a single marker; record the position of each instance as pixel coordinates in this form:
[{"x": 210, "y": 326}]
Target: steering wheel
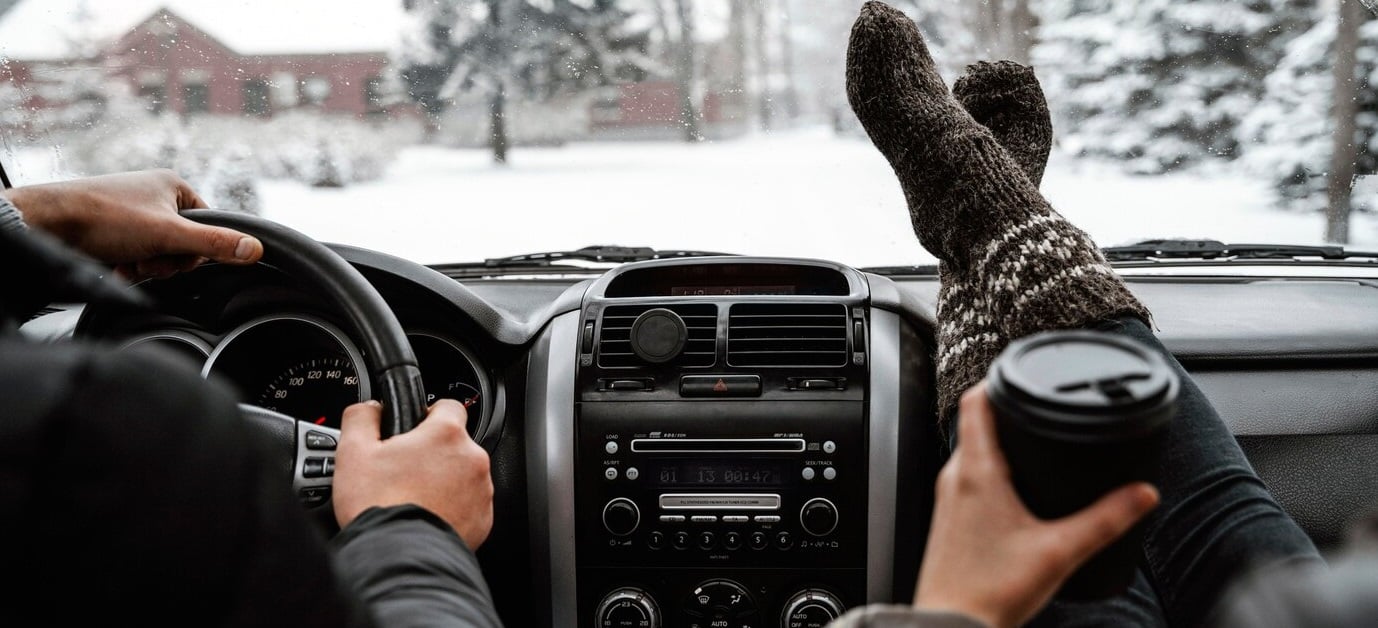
[{"x": 308, "y": 450}]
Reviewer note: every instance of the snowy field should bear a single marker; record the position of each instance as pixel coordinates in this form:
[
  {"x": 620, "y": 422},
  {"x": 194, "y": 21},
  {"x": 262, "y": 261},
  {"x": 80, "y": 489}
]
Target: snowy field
[{"x": 805, "y": 194}]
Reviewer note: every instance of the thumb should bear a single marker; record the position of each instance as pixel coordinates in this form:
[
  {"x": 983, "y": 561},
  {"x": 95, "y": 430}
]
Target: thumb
[
  {"x": 361, "y": 423},
  {"x": 223, "y": 245},
  {"x": 1098, "y": 525}
]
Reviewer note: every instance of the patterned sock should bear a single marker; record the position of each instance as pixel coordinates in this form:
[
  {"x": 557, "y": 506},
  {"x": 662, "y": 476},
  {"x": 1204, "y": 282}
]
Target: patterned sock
[{"x": 973, "y": 205}]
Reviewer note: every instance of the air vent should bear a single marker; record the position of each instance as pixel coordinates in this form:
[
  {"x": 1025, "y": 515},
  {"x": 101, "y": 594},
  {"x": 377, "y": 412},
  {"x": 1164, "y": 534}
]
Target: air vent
[
  {"x": 787, "y": 334},
  {"x": 700, "y": 349}
]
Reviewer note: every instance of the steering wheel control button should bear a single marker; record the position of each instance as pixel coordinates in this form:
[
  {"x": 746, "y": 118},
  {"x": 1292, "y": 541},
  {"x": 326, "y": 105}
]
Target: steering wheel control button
[
  {"x": 610, "y": 473},
  {"x": 707, "y": 540},
  {"x": 628, "y": 608},
  {"x": 818, "y": 517},
  {"x": 313, "y": 496},
  {"x": 811, "y": 608},
  {"x": 680, "y": 540},
  {"x": 829, "y": 473},
  {"x": 610, "y": 447},
  {"x": 807, "y": 473},
  {"x": 633, "y": 473},
  {"x": 621, "y": 516},
  {"x": 732, "y": 540},
  {"x": 658, "y": 336},
  {"x": 318, "y": 467},
  {"x": 320, "y": 440},
  {"x": 758, "y": 540},
  {"x": 829, "y": 447},
  {"x": 720, "y": 386},
  {"x": 655, "y": 540},
  {"x": 784, "y": 541}
]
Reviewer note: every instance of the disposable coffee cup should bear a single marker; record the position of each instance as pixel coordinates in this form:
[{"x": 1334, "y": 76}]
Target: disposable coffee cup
[{"x": 1080, "y": 413}]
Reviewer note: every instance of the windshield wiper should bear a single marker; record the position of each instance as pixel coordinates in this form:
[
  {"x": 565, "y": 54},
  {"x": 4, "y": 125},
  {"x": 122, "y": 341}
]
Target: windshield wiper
[
  {"x": 606, "y": 254},
  {"x": 1154, "y": 250}
]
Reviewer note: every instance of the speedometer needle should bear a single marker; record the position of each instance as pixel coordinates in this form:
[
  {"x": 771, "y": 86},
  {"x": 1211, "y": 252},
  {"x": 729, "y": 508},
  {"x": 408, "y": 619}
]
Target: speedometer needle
[{"x": 320, "y": 421}]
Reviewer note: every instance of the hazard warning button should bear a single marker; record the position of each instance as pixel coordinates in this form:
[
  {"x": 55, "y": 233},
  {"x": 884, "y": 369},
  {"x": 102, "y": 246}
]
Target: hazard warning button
[{"x": 720, "y": 386}]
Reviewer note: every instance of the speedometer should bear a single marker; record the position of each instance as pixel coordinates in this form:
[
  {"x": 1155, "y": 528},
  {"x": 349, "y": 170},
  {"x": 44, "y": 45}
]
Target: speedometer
[{"x": 317, "y": 390}]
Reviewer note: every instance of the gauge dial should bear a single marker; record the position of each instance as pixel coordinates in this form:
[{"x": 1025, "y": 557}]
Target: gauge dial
[
  {"x": 317, "y": 390},
  {"x": 449, "y": 373}
]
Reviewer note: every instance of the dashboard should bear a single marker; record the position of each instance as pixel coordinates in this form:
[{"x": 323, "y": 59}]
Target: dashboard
[{"x": 689, "y": 442}]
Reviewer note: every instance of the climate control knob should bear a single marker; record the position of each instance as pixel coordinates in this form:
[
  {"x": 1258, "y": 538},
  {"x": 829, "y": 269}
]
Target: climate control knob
[
  {"x": 628, "y": 608},
  {"x": 621, "y": 516},
  {"x": 818, "y": 516},
  {"x": 811, "y": 608}
]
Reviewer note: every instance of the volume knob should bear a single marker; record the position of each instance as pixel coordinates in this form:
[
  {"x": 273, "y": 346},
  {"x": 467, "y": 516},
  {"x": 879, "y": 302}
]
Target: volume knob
[
  {"x": 811, "y": 608},
  {"x": 621, "y": 516},
  {"x": 628, "y": 608},
  {"x": 818, "y": 516}
]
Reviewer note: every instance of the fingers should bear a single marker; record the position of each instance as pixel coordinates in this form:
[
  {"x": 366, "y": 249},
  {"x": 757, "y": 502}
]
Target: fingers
[
  {"x": 976, "y": 433},
  {"x": 448, "y": 415},
  {"x": 361, "y": 424},
  {"x": 217, "y": 243},
  {"x": 187, "y": 198},
  {"x": 1083, "y": 534}
]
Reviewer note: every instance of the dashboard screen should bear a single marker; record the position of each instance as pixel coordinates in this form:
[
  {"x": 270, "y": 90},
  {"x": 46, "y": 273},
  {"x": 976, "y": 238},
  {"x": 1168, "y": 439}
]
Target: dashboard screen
[
  {"x": 731, "y": 291},
  {"x": 695, "y": 473}
]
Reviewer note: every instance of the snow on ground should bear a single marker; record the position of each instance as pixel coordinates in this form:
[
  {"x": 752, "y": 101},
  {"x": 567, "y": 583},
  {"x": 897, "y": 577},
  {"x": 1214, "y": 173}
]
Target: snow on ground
[{"x": 800, "y": 194}]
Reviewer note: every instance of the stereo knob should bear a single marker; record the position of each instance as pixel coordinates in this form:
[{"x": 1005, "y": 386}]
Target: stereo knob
[
  {"x": 658, "y": 335},
  {"x": 811, "y": 608},
  {"x": 628, "y": 608},
  {"x": 818, "y": 516},
  {"x": 621, "y": 516}
]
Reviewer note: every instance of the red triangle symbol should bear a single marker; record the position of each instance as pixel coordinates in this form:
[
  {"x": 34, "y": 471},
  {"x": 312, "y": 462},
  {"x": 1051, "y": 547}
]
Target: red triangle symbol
[{"x": 721, "y": 386}]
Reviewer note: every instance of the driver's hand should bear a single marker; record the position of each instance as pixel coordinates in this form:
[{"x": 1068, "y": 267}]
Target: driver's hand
[
  {"x": 989, "y": 557},
  {"x": 435, "y": 466},
  {"x": 130, "y": 220}
]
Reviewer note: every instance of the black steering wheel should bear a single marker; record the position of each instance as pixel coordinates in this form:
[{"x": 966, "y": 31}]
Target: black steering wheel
[{"x": 388, "y": 356}]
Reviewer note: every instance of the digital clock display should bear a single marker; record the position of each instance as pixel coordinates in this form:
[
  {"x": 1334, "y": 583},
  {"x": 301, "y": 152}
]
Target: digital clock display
[
  {"x": 696, "y": 473},
  {"x": 732, "y": 291}
]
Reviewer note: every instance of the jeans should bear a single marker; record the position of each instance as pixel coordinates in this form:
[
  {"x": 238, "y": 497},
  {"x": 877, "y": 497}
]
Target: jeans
[{"x": 1216, "y": 522}]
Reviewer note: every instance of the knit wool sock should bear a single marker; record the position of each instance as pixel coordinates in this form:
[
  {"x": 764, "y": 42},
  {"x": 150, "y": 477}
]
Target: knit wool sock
[
  {"x": 973, "y": 206},
  {"x": 1006, "y": 98}
]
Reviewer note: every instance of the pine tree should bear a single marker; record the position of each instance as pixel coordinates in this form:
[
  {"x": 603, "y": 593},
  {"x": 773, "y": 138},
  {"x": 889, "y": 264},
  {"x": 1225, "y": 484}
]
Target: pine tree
[
  {"x": 1160, "y": 84},
  {"x": 530, "y": 49},
  {"x": 1289, "y": 135}
]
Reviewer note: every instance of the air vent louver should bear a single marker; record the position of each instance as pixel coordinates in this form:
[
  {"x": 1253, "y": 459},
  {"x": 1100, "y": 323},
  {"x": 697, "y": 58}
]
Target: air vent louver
[
  {"x": 787, "y": 334},
  {"x": 615, "y": 345}
]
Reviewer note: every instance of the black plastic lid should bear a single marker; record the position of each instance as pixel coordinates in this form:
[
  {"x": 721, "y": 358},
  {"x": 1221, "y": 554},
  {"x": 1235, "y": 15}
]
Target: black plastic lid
[{"x": 1083, "y": 384}]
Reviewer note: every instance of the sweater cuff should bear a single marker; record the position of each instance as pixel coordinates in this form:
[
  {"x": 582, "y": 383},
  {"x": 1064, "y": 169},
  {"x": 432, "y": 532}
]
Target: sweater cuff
[{"x": 10, "y": 217}]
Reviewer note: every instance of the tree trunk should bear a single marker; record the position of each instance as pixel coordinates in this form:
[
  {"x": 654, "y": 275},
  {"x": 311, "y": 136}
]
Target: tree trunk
[
  {"x": 1020, "y": 32},
  {"x": 790, "y": 97},
  {"x": 497, "y": 124},
  {"x": 1344, "y": 151},
  {"x": 684, "y": 72},
  {"x": 764, "y": 107},
  {"x": 737, "y": 80}
]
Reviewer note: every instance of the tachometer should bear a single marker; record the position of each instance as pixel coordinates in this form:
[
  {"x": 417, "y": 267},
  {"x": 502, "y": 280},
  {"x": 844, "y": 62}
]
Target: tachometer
[{"x": 317, "y": 390}]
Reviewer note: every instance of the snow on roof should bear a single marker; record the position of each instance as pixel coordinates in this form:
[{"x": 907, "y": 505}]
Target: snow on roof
[{"x": 42, "y": 30}]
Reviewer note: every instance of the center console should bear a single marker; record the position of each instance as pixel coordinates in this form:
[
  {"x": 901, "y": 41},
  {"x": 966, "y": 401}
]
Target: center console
[{"x": 726, "y": 462}]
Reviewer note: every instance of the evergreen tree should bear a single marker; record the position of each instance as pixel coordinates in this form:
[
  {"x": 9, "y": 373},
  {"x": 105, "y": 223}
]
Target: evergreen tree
[
  {"x": 1288, "y": 135},
  {"x": 531, "y": 49},
  {"x": 1160, "y": 84}
]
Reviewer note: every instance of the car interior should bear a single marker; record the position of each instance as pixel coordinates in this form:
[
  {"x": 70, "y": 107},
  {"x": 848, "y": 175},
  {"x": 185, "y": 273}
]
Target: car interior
[{"x": 684, "y": 440}]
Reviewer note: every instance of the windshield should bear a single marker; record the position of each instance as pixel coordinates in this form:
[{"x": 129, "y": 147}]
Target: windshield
[{"x": 456, "y": 130}]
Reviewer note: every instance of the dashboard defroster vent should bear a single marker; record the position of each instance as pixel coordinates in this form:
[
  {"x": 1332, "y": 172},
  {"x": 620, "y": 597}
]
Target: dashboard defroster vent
[
  {"x": 700, "y": 346},
  {"x": 787, "y": 334}
]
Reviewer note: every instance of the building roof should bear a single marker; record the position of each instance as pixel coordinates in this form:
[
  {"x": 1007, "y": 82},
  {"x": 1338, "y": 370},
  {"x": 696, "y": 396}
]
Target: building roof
[{"x": 44, "y": 30}]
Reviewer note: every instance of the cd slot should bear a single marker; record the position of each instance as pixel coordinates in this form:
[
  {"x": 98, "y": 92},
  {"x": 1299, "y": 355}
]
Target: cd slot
[{"x": 718, "y": 445}]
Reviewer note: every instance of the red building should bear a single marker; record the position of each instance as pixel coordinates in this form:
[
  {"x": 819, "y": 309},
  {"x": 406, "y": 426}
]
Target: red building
[{"x": 190, "y": 59}]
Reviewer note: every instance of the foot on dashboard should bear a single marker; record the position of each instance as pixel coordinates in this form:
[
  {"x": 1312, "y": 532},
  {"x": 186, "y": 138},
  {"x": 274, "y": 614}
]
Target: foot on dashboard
[
  {"x": 1014, "y": 265},
  {"x": 1006, "y": 98}
]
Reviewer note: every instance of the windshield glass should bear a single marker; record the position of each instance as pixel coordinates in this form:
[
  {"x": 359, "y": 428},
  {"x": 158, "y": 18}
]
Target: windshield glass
[{"x": 455, "y": 130}]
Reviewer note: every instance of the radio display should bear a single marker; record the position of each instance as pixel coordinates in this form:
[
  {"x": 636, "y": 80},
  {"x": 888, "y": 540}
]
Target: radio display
[
  {"x": 695, "y": 473},
  {"x": 731, "y": 291}
]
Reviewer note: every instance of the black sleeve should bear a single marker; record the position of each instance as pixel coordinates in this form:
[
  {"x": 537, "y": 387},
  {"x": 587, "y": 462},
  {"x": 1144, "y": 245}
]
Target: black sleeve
[
  {"x": 131, "y": 488},
  {"x": 412, "y": 569}
]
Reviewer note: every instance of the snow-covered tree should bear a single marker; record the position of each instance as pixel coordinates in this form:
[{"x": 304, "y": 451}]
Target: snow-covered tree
[
  {"x": 530, "y": 49},
  {"x": 1288, "y": 136},
  {"x": 1160, "y": 84}
]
